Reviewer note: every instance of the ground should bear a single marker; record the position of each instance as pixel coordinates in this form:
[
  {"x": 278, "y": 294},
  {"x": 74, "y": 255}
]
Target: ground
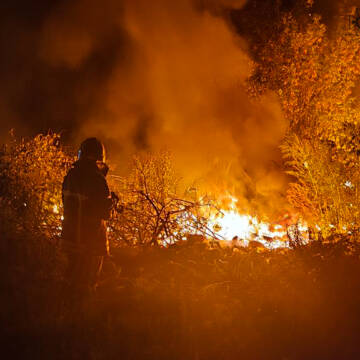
[{"x": 187, "y": 302}]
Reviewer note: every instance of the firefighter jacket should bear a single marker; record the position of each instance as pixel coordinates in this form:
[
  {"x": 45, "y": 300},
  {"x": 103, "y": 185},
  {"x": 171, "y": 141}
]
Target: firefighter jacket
[{"x": 87, "y": 206}]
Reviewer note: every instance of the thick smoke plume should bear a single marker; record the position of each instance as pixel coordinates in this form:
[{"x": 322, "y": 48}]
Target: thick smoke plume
[
  {"x": 178, "y": 84},
  {"x": 174, "y": 79}
]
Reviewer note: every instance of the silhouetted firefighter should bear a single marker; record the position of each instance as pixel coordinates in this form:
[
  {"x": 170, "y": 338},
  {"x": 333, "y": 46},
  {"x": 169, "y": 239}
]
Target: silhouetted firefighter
[{"x": 87, "y": 205}]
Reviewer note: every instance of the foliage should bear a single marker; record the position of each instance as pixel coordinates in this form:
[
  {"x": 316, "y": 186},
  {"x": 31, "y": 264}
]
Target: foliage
[
  {"x": 155, "y": 210},
  {"x": 329, "y": 202},
  {"x": 185, "y": 301},
  {"x": 314, "y": 74},
  {"x": 32, "y": 171},
  {"x": 192, "y": 302}
]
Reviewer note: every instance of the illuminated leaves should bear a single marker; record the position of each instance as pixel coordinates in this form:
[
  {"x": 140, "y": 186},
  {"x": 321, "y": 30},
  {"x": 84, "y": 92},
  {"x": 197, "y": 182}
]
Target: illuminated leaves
[
  {"x": 156, "y": 209},
  {"x": 314, "y": 76},
  {"x": 32, "y": 173}
]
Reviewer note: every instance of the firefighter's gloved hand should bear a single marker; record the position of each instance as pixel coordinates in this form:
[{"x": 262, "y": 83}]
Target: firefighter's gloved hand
[
  {"x": 116, "y": 205},
  {"x": 114, "y": 197},
  {"x": 103, "y": 167}
]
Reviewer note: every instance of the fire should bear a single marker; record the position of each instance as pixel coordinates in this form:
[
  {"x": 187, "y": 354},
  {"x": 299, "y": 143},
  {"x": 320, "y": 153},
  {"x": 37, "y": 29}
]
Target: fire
[{"x": 231, "y": 224}]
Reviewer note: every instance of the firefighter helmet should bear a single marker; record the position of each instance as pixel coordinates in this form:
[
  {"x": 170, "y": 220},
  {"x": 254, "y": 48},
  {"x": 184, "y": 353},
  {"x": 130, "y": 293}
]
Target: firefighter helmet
[{"x": 92, "y": 148}]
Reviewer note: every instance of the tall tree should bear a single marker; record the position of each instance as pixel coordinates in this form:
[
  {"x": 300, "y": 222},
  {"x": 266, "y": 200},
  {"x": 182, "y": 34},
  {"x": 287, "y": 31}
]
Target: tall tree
[{"x": 315, "y": 77}]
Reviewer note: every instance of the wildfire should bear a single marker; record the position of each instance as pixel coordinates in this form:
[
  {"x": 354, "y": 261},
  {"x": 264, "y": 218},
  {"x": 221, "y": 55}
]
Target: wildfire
[{"x": 231, "y": 224}]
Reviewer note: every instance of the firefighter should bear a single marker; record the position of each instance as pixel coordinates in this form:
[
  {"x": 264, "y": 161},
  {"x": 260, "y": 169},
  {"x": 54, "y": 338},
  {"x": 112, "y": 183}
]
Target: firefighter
[{"x": 87, "y": 204}]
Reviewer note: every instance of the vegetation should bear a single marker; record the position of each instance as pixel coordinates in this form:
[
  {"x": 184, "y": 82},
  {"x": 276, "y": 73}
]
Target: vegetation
[
  {"x": 31, "y": 175},
  {"x": 191, "y": 302},
  {"x": 184, "y": 301},
  {"x": 152, "y": 209},
  {"x": 155, "y": 208},
  {"x": 315, "y": 76}
]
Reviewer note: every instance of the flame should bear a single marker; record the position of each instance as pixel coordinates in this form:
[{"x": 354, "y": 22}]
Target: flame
[{"x": 231, "y": 224}]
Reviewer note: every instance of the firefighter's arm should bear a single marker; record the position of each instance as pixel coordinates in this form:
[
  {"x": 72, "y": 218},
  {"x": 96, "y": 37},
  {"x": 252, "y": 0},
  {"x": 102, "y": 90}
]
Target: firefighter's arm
[{"x": 104, "y": 199}]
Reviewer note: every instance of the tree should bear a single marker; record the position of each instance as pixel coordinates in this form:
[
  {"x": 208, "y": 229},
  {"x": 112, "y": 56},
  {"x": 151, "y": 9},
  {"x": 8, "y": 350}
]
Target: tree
[{"x": 315, "y": 76}]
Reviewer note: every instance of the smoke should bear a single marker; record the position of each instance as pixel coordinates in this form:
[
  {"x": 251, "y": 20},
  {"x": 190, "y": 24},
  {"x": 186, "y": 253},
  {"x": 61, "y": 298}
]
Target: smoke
[
  {"x": 147, "y": 75},
  {"x": 151, "y": 75},
  {"x": 177, "y": 83}
]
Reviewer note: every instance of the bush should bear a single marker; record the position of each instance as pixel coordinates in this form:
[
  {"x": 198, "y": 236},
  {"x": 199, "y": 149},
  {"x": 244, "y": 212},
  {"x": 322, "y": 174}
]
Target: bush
[
  {"x": 32, "y": 171},
  {"x": 157, "y": 210}
]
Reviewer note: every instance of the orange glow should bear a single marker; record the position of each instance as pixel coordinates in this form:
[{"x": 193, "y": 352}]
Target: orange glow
[{"x": 248, "y": 228}]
